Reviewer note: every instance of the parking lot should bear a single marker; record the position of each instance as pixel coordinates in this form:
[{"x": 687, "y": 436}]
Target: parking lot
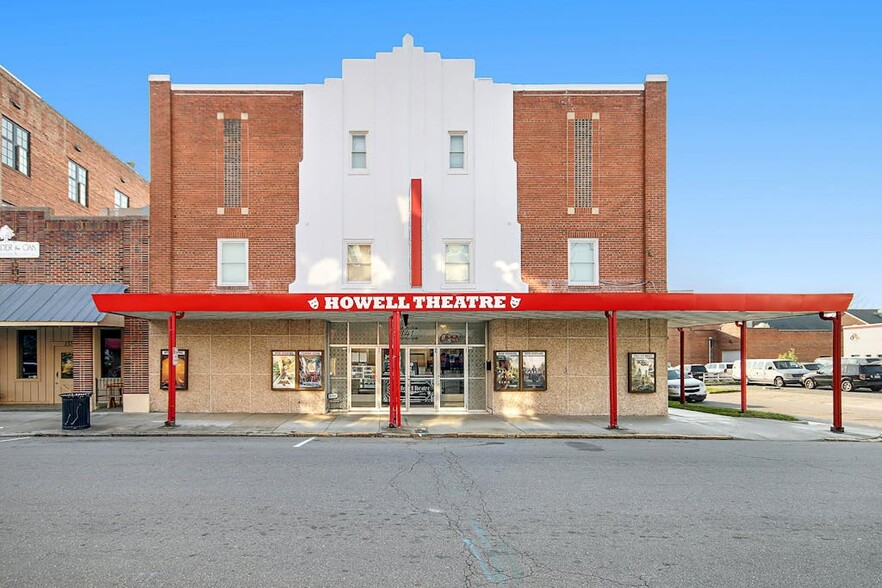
[{"x": 858, "y": 408}]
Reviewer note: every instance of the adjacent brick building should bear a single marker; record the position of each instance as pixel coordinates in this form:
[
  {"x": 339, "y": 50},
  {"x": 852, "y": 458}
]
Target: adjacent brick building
[{"x": 72, "y": 215}]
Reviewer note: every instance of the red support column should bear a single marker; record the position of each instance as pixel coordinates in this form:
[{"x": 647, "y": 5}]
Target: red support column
[
  {"x": 611, "y": 317},
  {"x": 682, "y": 374},
  {"x": 743, "y": 325},
  {"x": 837, "y": 371},
  {"x": 172, "y": 365},
  {"x": 395, "y": 370}
]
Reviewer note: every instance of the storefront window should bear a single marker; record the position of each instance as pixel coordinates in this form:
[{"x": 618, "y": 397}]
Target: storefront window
[
  {"x": 111, "y": 353},
  {"x": 27, "y": 354},
  {"x": 418, "y": 333}
]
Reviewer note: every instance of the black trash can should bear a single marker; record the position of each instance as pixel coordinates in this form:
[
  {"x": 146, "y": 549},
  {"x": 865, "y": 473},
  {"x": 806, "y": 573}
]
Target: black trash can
[{"x": 75, "y": 410}]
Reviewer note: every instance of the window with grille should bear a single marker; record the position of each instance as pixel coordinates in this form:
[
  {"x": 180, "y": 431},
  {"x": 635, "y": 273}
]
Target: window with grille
[
  {"x": 359, "y": 151},
  {"x": 457, "y": 263},
  {"x": 120, "y": 200},
  {"x": 583, "y": 164},
  {"x": 358, "y": 262},
  {"x": 232, "y": 262},
  {"x": 457, "y": 151},
  {"x": 232, "y": 163},
  {"x": 582, "y": 262},
  {"x": 77, "y": 183},
  {"x": 16, "y": 147}
]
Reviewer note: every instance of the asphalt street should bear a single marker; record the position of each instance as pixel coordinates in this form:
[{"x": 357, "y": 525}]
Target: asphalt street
[{"x": 438, "y": 512}]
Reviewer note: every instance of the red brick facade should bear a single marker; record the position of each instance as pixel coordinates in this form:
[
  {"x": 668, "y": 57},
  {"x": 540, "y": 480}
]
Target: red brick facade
[
  {"x": 53, "y": 142},
  {"x": 87, "y": 250},
  {"x": 185, "y": 222},
  {"x": 763, "y": 343},
  {"x": 629, "y": 194},
  {"x": 629, "y": 197}
]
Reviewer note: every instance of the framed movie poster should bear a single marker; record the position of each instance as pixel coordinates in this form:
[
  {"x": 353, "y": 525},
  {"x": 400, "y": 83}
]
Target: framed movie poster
[
  {"x": 309, "y": 375},
  {"x": 641, "y": 372},
  {"x": 508, "y": 370},
  {"x": 284, "y": 370},
  {"x": 533, "y": 374},
  {"x": 181, "y": 369}
]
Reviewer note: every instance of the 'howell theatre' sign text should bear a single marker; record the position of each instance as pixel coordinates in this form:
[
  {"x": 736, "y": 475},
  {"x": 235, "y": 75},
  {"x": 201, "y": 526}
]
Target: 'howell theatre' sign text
[{"x": 416, "y": 302}]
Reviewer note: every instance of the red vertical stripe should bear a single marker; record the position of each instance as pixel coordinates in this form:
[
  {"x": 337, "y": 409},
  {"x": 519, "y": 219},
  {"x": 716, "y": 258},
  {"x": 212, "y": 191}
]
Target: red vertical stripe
[{"x": 416, "y": 233}]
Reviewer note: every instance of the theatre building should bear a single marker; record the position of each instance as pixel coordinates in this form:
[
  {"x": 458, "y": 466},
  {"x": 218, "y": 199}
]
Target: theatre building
[{"x": 500, "y": 226}]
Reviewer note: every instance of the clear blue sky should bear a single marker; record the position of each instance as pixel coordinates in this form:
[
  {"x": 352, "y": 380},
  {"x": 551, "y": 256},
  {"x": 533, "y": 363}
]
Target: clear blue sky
[{"x": 774, "y": 108}]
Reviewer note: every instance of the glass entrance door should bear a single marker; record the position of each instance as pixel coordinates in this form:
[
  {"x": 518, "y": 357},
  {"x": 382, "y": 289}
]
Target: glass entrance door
[
  {"x": 363, "y": 373},
  {"x": 452, "y": 371},
  {"x": 420, "y": 377}
]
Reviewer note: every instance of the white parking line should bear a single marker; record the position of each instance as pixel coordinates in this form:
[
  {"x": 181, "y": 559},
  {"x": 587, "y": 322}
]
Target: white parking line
[
  {"x": 14, "y": 439},
  {"x": 302, "y": 443}
]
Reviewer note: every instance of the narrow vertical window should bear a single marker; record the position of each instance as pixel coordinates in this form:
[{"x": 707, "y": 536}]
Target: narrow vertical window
[
  {"x": 457, "y": 151},
  {"x": 358, "y": 262},
  {"x": 582, "y": 262},
  {"x": 77, "y": 183},
  {"x": 457, "y": 263},
  {"x": 232, "y": 262},
  {"x": 16, "y": 151},
  {"x": 583, "y": 164},
  {"x": 111, "y": 353},
  {"x": 232, "y": 163},
  {"x": 359, "y": 150},
  {"x": 27, "y": 354},
  {"x": 120, "y": 200}
]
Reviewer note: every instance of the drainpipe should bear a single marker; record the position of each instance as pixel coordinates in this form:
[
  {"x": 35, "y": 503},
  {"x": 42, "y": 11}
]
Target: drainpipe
[
  {"x": 172, "y": 365},
  {"x": 743, "y": 326},
  {"x": 837, "y": 370},
  {"x": 682, "y": 374},
  {"x": 611, "y": 318}
]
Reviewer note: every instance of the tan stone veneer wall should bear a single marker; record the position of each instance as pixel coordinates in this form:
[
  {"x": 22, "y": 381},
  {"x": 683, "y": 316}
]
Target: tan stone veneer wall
[
  {"x": 578, "y": 375},
  {"x": 231, "y": 366}
]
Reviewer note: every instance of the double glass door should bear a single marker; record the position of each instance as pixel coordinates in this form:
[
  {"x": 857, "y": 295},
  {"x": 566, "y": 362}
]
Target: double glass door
[{"x": 431, "y": 377}]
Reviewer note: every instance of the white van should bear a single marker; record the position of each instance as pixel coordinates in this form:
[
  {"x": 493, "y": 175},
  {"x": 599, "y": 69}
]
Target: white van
[{"x": 778, "y": 372}]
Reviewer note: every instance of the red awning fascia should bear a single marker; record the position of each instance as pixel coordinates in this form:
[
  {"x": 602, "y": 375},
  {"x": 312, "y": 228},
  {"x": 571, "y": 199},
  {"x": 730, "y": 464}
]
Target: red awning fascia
[{"x": 523, "y": 302}]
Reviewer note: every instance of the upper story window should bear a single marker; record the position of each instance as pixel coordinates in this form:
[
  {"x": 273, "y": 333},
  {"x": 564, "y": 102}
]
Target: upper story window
[
  {"x": 16, "y": 147},
  {"x": 77, "y": 183},
  {"x": 27, "y": 354},
  {"x": 582, "y": 262},
  {"x": 359, "y": 151},
  {"x": 458, "y": 151},
  {"x": 232, "y": 262},
  {"x": 120, "y": 200},
  {"x": 358, "y": 262},
  {"x": 583, "y": 163},
  {"x": 457, "y": 262}
]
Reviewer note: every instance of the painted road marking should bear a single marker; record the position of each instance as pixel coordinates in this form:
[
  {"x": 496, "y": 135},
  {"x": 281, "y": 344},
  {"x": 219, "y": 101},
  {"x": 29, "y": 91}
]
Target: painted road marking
[
  {"x": 15, "y": 439},
  {"x": 302, "y": 443}
]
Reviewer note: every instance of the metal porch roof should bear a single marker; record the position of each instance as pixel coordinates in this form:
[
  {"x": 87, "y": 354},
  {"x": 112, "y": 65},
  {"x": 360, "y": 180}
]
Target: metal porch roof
[{"x": 53, "y": 304}]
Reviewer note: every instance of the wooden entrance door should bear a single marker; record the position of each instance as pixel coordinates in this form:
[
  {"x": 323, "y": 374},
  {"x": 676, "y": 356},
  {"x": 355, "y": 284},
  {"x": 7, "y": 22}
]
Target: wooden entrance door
[{"x": 64, "y": 370}]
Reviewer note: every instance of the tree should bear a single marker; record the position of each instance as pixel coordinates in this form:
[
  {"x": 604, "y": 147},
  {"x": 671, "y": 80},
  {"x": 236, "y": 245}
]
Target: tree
[{"x": 791, "y": 355}]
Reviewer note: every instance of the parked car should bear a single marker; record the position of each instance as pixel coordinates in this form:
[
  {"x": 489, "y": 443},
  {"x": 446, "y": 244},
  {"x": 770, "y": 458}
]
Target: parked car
[
  {"x": 695, "y": 390},
  {"x": 720, "y": 369},
  {"x": 868, "y": 375},
  {"x": 694, "y": 370},
  {"x": 811, "y": 367},
  {"x": 778, "y": 372}
]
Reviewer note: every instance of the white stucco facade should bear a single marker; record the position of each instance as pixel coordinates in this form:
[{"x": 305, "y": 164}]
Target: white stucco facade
[{"x": 407, "y": 103}]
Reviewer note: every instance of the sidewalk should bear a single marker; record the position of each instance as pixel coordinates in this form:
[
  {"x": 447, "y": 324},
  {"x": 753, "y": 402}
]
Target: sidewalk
[{"x": 679, "y": 424}]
